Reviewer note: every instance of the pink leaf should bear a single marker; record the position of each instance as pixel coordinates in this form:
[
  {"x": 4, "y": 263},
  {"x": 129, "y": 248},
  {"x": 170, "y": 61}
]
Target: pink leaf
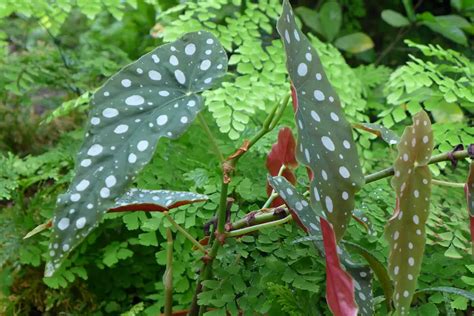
[{"x": 339, "y": 284}]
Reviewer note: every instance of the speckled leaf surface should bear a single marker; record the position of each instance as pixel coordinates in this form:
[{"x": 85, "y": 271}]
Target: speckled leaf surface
[
  {"x": 364, "y": 220},
  {"x": 469, "y": 190},
  {"x": 155, "y": 200},
  {"x": 156, "y": 96},
  {"x": 309, "y": 219},
  {"x": 405, "y": 231},
  {"x": 325, "y": 143},
  {"x": 386, "y": 134}
]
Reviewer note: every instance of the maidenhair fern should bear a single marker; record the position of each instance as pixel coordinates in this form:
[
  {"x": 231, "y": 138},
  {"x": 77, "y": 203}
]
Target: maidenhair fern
[{"x": 259, "y": 77}]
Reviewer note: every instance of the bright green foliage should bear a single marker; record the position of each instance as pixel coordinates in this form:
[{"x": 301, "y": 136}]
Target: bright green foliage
[
  {"x": 450, "y": 80},
  {"x": 53, "y": 14},
  {"x": 329, "y": 152},
  {"x": 130, "y": 113},
  {"x": 406, "y": 229},
  {"x": 258, "y": 80}
]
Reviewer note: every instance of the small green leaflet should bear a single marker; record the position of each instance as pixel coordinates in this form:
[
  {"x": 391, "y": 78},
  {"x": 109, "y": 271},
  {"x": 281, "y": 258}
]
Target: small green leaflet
[
  {"x": 325, "y": 141},
  {"x": 155, "y": 200},
  {"x": 308, "y": 218},
  {"x": 406, "y": 229},
  {"x": 154, "y": 97}
]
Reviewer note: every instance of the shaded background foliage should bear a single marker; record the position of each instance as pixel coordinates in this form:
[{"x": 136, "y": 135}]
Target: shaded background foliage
[{"x": 55, "y": 54}]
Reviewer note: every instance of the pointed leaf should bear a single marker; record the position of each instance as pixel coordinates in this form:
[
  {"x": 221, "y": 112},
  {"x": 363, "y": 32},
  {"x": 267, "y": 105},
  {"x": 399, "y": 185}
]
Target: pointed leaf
[
  {"x": 394, "y": 18},
  {"x": 406, "y": 229},
  {"x": 325, "y": 141},
  {"x": 282, "y": 153},
  {"x": 339, "y": 286},
  {"x": 330, "y": 17},
  {"x": 308, "y": 218},
  {"x": 142, "y": 200},
  {"x": 154, "y": 97},
  {"x": 449, "y": 290},
  {"x": 386, "y": 134},
  {"x": 354, "y": 43},
  {"x": 364, "y": 220},
  {"x": 155, "y": 200},
  {"x": 469, "y": 190}
]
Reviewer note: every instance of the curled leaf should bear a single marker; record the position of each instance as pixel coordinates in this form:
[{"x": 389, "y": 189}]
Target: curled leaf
[
  {"x": 364, "y": 220},
  {"x": 155, "y": 200},
  {"x": 386, "y": 134},
  {"x": 406, "y": 229},
  {"x": 282, "y": 154},
  {"x": 325, "y": 143},
  {"x": 155, "y": 96}
]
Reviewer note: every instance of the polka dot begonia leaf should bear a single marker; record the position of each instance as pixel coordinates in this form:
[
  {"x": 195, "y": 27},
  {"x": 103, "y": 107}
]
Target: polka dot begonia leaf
[
  {"x": 310, "y": 220},
  {"x": 155, "y": 200},
  {"x": 155, "y": 96},
  {"x": 364, "y": 220},
  {"x": 386, "y": 134},
  {"x": 469, "y": 190},
  {"x": 325, "y": 142},
  {"x": 405, "y": 230}
]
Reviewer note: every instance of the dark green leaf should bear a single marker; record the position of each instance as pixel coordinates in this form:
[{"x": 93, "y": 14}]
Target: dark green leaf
[
  {"x": 354, "y": 43},
  {"x": 154, "y": 97},
  {"x": 450, "y": 290},
  {"x": 330, "y": 17},
  {"x": 394, "y": 18},
  {"x": 310, "y": 18},
  {"x": 325, "y": 143}
]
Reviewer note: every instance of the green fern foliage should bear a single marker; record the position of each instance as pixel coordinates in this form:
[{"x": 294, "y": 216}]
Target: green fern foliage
[{"x": 258, "y": 79}]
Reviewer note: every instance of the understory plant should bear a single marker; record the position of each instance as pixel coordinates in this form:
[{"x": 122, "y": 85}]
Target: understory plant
[{"x": 313, "y": 181}]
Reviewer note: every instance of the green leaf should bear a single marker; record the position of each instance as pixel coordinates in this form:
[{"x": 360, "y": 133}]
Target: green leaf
[
  {"x": 330, "y": 17},
  {"x": 325, "y": 143},
  {"x": 310, "y": 18},
  {"x": 154, "y": 97},
  {"x": 448, "y": 26},
  {"x": 354, "y": 43},
  {"x": 394, "y": 18},
  {"x": 405, "y": 230},
  {"x": 364, "y": 220}
]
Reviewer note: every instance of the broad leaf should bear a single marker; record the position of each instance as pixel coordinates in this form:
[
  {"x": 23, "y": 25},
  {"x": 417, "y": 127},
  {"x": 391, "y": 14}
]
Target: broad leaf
[
  {"x": 282, "y": 154},
  {"x": 339, "y": 285},
  {"x": 386, "y": 134},
  {"x": 406, "y": 229},
  {"x": 154, "y": 97},
  {"x": 469, "y": 190},
  {"x": 325, "y": 141},
  {"x": 309, "y": 219},
  {"x": 394, "y": 18},
  {"x": 354, "y": 43},
  {"x": 330, "y": 17},
  {"x": 155, "y": 200}
]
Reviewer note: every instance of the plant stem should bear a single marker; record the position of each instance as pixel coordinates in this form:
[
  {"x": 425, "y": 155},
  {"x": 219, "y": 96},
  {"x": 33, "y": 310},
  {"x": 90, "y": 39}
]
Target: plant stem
[
  {"x": 168, "y": 276},
  {"x": 388, "y": 172},
  {"x": 260, "y": 218},
  {"x": 253, "y": 228},
  {"x": 227, "y": 167},
  {"x": 448, "y": 184},
  {"x": 206, "y": 128},
  {"x": 185, "y": 233}
]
